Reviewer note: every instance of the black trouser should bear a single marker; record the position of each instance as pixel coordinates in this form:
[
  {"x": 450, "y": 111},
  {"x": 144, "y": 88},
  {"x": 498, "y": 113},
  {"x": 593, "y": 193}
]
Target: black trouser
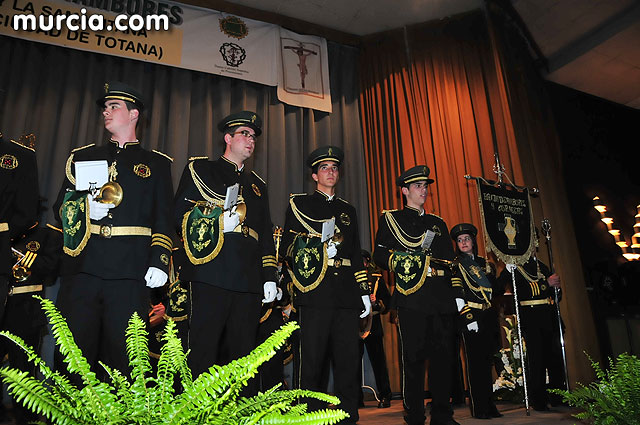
[
  {"x": 541, "y": 333},
  {"x": 375, "y": 350},
  {"x": 30, "y": 328},
  {"x": 221, "y": 319},
  {"x": 328, "y": 332},
  {"x": 97, "y": 312},
  {"x": 480, "y": 348},
  {"x": 426, "y": 336},
  {"x": 271, "y": 372}
]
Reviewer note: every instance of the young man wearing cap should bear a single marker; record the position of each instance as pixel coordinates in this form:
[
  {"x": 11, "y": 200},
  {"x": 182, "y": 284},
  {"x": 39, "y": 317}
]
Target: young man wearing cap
[
  {"x": 113, "y": 253},
  {"x": 409, "y": 242},
  {"x": 330, "y": 282},
  {"x": 231, "y": 262},
  {"x": 474, "y": 282}
]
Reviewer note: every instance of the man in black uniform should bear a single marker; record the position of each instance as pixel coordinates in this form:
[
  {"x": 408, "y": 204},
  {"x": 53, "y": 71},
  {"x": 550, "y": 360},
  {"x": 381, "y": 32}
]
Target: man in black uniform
[
  {"x": 409, "y": 242},
  {"x": 539, "y": 323},
  {"x": 474, "y": 282},
  {"x": 231, "y": 256},
  {"x": 18, "y": 202},
  {"x": 111, "y": 251},
  {"x": 40, "y": 253},
  {"x": 330, "y": 282},
  {"x": 374, "y": 341}
]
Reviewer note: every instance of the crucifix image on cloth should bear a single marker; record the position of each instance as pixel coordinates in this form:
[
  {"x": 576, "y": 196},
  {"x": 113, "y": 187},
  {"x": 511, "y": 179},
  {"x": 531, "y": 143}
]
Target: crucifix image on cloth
[{"x": 301, "y": 67}]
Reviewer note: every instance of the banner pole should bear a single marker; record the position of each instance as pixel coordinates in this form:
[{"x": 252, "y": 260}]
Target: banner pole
[
  {"x": 546, "y": 229},
  {"x": 512, "y": 268}
]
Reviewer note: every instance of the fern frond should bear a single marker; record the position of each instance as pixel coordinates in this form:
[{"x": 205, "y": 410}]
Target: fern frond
[
  {"x": 138, "y": 351},
  {"x": 319, "y": 417},
  {"x": 34, "y": 395}
]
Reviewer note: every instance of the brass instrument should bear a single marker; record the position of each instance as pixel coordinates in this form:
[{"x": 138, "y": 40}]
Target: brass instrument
[
  {"x": 277, "y": 236},
  {"x": 110, "y": 193},
  {"x": 20, "y": 272},
  {"x": 337, "y": 238}
]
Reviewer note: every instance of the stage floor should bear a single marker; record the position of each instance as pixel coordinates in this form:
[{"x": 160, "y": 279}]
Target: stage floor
[{"x": 513, "y": 415}]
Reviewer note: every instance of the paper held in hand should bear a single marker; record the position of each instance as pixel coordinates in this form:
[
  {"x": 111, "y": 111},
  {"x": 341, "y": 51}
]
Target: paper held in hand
[
  {"x": 91, "y": 174},
  {"x": 328, "y": 229},
  {"x": 231, "y": 198}
]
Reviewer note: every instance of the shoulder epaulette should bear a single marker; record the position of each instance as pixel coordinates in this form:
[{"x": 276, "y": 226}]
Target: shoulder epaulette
[
  {"x": 23, "y": 146},
  {"x": 82, "y": 147},
  {"x": 162, "y": 154},
  {"x": 436, "y": 216},
  {"x": 293, "y": 195},
  {"x": 344, "y": 200},
  {"x": 193, "y": 158},
  {"x": 388, "y": 211},
  {"x": 259, "y": 178}
]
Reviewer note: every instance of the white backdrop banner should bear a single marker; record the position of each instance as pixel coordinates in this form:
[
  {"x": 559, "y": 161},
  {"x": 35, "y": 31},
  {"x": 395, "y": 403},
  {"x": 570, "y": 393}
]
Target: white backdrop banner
[{"x": 197, "y": 39}]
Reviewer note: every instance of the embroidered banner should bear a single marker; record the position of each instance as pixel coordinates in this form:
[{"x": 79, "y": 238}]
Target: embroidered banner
[{"x": 507, "y": 221}]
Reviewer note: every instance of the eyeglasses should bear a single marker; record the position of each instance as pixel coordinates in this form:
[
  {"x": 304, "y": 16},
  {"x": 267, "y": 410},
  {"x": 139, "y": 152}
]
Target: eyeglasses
[
  {"x": 464, "y": 239},
  {"x": 246, "y": 134}
]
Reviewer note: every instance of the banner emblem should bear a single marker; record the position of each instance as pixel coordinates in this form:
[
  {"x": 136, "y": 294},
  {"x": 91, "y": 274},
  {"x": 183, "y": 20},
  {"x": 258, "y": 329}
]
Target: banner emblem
[
  {"x": 234, "y": 27},
  {"x": 309, "y": 263},
  {"x": 411, "y": 270},
  {"x": 203, "y": 238},
  {"x": 233, "y": 54}
]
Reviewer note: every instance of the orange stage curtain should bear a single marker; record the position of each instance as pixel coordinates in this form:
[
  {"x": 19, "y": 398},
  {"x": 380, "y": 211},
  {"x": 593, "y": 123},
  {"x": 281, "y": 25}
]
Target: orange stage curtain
[{"x": 437, "y": 94}]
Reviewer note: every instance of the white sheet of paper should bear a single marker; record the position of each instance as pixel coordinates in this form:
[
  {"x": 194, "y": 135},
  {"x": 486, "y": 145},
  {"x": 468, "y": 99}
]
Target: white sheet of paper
[
  {"x": 328, "y": 229},
  {"x": 90, "y": 173},
  {"x": 231, "y": 198}
]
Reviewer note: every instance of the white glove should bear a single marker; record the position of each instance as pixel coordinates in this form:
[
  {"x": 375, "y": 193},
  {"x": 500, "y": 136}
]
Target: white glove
[
  {"x": 98, "y": 210},
  {"x": 279, "y": 296},
  {"x": 155, "y": 277},
  {"x": 231, "y": 220},
  {"x": 459, "y": 303},
  {"x": 473, "y": 326},
  {"x": 332, "y": 250},
  {"x": 270, "y": 292},
  {"x": 367, "y": 306}
]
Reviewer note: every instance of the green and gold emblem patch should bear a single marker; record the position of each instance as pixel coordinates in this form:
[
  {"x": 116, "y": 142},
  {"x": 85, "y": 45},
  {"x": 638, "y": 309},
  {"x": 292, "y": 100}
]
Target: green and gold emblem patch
[
  {"x": 411, "y": 270},
  {"x": 202, "y": 234},
  {"x": 74, "y": 214},
  {"x": 309, "y": 262}
]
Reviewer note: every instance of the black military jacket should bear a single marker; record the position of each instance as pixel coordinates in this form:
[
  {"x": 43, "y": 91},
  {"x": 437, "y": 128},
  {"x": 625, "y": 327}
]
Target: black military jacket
[
  {"x": 18, "y": 196},
  {"x": 467, "y": 287},
  {"x": 342, "y": 287},
  {"x": 530, "y": 284},
  {"x": 243, "y": 264},
  {"x": 145, "y": 177},
  {"x": 41, "y": 246},
  {"x": 436, "y": 294}
]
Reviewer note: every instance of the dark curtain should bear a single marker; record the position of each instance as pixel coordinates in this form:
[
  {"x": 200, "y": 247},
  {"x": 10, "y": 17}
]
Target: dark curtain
[
  {"x": 438, "y": 94},
  {"x": 50, "y": 91}
]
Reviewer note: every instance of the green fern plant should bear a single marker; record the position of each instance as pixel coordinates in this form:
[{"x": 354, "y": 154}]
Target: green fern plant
[
  {"x": 147, "y": 399},
  {"x": 614, "y": 398}
]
